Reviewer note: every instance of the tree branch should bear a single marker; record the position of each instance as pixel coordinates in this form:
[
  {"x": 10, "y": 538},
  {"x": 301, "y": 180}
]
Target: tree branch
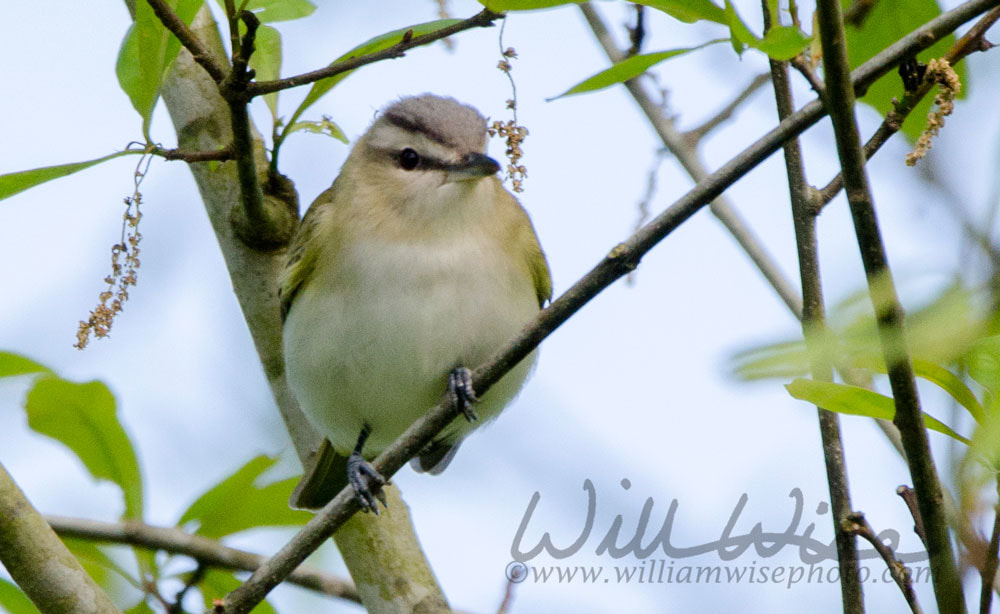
[
  {"x": 889, "y": 312},
  {"x": 221, "y": 155},
  {"x": 198, "y": 51},
  {"x": 623, "y": 258},
  {"x": 814, "y": 331},
  {"x": 40, "y": 563},
  {"x": 484, "y": 19},
  {"x": 203, "y": 550},
  {"x": 685, "y": 153},
  {"x": 856, "y": 524},
  {"x": 972, "y": 41}
]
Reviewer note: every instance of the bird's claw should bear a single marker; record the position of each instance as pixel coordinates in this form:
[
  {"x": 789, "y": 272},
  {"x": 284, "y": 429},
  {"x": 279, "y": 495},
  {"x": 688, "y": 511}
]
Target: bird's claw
[
  {"x": 367, "y": 483},
  {"x": 462, "y": 394}
]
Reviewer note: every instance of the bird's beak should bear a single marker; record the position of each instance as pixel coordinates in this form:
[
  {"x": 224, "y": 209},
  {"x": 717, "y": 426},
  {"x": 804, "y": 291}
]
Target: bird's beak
[{"x": 472, "y": 166}]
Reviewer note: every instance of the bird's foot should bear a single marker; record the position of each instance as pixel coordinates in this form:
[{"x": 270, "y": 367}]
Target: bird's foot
[
  {"x": 367, "y": 483},
  {"x": 462, "y": 393}
]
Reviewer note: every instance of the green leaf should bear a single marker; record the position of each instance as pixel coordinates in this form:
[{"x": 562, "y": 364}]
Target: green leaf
[
  {"x": 83, "y": 417},
  {"x": 688, "y": 11},
  {"x": 782, "y": 360},
  {"x": 266, "y": 62},
  {"x": 503, "y": 6},
  {"x": 269, "y": 11},
  {"x": 147, "y": 53},
  {"x": 983, "y": 360},
  {"x": 383, "y": 41},
  {"x": 14, "y": 364},
  {"x": 888, "y": 21},
  {"x": 13, "y": 601},
  {"x": 856, "y": 401},
  {"x": 938, "y": 375},
  {"x": 628, "y": 69},
  {"x": 14, "y": 183},
  {"x": 783, "y": 42},
  {"x": 140, "y": 608},
  {"x": 325, "y": 126},
  {"x": 96, "y": 562},
  {"x": 739, "y": 34},
  {"x": 217, "y": 583},
  {"x": 238, "y": 503}
]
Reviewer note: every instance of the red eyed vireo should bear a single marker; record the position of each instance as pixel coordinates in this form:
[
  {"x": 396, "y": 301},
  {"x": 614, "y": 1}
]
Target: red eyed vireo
[{"x": 413, "y": 266}]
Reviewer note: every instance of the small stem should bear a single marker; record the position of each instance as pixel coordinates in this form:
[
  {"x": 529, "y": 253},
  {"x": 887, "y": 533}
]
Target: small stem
[
  {"x": 484, "y": 18},
  {"x": 191, "y": 42},
  {"x": 800, "y": 64},
  {"x": 857, "y": 524},
  {"x": 226, "y": 153}
]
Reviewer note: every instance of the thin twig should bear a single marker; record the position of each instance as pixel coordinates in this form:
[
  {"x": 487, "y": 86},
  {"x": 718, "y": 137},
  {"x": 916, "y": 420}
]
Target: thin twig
[
  {"x": 226, "y": 153},
  {"x": 636, "y": 33},
  {"x": 694, "y": 135},
  {"x": 617, "y": 263},
  {"x": 969, "y": 43},
  {"x": 800, "y": 64},
  {"x": 814, "y": 331},
  {"x": 857, "y": 524},
  {"x": 191, "y": 42},
  {"x": 206, "y": 551},
  {"x": 889, "y": 313},
  {"x": 483, "y": 19},
  {"x": 690, "y": 161},
  {"x": 196, "y": 576}
]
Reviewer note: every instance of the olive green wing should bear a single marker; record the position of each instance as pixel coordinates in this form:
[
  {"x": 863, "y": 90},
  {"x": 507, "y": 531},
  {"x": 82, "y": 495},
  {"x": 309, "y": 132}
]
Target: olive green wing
[
  {"x": 304, "y": 251},
  {"x": 540, "y": 274}
]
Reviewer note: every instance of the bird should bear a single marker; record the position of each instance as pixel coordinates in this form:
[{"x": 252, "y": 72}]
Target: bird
[{"x": 415, "y": 265}]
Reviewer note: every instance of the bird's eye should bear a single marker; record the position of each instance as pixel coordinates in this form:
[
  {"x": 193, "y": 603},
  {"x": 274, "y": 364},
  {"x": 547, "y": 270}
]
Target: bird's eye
[{"x": 409, "y": 159}]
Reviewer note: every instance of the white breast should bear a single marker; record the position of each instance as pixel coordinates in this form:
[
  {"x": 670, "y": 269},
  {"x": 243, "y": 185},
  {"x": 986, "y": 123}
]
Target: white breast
[{"x": 372, "y": 340}]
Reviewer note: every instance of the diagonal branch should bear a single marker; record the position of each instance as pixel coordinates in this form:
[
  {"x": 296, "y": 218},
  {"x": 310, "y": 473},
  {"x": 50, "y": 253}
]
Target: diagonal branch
[
  {"x": 623, "y": 258},
  {"x": 201, "y": 54},
  {"x": 40, "y": 563},
  {"x": 889, "y": 312},
  {"x": 483, "y": 19}
]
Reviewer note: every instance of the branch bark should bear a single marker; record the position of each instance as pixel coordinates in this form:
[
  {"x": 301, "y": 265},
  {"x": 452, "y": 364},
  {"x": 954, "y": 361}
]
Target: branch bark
[
  {"x": 208, "y": 552},
  {"x": 889, "y": 312},
  {"x": 40, "y": 563},
  {"x": 483, "y": 19}
]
